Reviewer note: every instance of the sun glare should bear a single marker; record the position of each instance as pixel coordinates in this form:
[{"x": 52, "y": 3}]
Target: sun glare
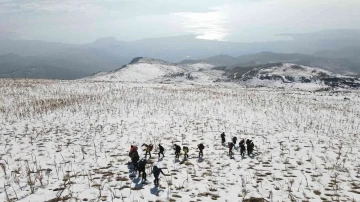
[{"x": 210, "y": 26}]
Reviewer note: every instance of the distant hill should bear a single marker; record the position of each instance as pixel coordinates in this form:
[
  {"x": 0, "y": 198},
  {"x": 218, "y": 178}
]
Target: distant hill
[
  {"x": 75, "y": 63},
  {"x": 148, "y": 70},
  {"x": 351, "y": 53},
  {"x": 40, "y": 72},
  {"x": 141, "y": 70},
  {"x": 153, "y": 70},
  {"x": 338, "y": 65},
  {"x": 276, "y": 74}
]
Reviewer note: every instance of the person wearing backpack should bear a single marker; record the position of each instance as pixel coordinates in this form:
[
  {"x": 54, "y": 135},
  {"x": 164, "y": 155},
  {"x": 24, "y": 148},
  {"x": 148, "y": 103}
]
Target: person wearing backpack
[
  {"x": 251, "y": 147},
  {"x": 230, "y": 145},
  {"x": 156, "y": 172},
  {"x": 134, "y": 159},
  {"x": 234, "y": 140},
  {"x": 248, "y": 146},
  {"x": 242, "y": 147},
  {"x": 148, "y": 149},
  {"x": 161, "y": 150},
  {"x": 201, "y": 148},
  {"x": 133, "y": 148},
  {"x": 177, "y": 149},
  {"x": 222, "y": 138},
  {"x": 186, "y": 151},
  {"x": 141, "y": 168}
]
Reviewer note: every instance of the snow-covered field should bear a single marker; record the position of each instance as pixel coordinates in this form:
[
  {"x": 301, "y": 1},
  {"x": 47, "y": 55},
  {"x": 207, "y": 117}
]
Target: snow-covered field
[{"x": 68, "y": 141}]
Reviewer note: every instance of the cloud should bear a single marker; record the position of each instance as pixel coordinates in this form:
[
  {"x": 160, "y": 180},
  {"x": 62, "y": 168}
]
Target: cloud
[
  {"x": 47, "y": 6},
  {"x": 262, "y": 20},
  {"x": 126, "y": 7},
  {"x": 78, "y": 21},
  {"x": 210, "y": 25}
]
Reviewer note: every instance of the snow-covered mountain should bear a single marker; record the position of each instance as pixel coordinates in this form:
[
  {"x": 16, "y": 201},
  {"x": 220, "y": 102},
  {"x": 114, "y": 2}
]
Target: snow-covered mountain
[
  {"x": 141, "y": 70},
  {"x": 287, "y": 73},
  {"x": 153, "y": 70},
  {"x": 270, "y": 75}
]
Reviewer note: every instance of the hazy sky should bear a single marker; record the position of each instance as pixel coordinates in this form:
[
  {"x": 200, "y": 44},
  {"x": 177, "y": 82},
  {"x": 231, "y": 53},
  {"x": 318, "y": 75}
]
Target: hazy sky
[{"x": 82, "y": 21}]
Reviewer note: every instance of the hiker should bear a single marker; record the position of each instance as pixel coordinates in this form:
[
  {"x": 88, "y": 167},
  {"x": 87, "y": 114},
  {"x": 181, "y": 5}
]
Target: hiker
[
  {"x": 230, "y": 145},
  {"x": 141, "y": 168},
  {"x": 248, "y": 146},
  {"x": 251, "y": 147},
  {"x": 177, "y": 149},
  {"x": 148, "y": 149},
  {"x": 133, "y": 148},
  {"x": 223, "y": 138},
  {"x": 234, "y": 140},
  {"x": 242, "y": 147},
  {"x": 201, "y": 148},
  {"x": 161, "y": 150},
  {"x": 134, "y": 159},
  {"x": 186, "y": 151},
  {"x": 156, "y": 171}
]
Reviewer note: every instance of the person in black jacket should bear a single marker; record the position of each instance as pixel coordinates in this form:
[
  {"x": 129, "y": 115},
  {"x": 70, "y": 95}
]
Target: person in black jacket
[
  {"x": 201, "y": 148},
  {"x": 134, "y": 159},
  {"x": 156, "y": 171},
  {"x": 242, "y": 147},
  {"x": 234, "y": 140},
  {"x": 141, "y": 168},
  {"x": 249, "y": 146},
  {"x": 223, "y": 138},
  {"x": 177, "y": 149},
  {"x": 161, "y": 150},
  {"x": 231, "y": 145}
]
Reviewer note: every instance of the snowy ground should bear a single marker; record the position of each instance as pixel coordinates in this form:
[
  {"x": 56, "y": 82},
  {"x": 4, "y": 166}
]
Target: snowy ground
[{"x": 69, "y": 141}]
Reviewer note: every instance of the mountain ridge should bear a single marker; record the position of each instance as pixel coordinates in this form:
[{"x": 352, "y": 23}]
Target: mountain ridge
[
  {"x": 146, "y": 70},
  {"x": 339, "y": 65},
  {"x": 108, "y": 53}
]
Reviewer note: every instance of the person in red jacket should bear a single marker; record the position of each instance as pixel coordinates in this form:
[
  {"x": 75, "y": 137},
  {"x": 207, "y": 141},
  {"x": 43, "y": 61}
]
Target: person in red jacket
[{"x": 133, "y": 148}]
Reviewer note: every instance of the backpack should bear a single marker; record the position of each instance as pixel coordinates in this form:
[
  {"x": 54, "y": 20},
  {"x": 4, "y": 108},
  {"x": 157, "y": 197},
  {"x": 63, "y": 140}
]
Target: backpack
[
  {"x": 161, "y": 148},
  {"x": 135, "y": 157},
  {"x": 151, "y": 147},
  {"x": 142, "y": 163},
  {"x": 186, "y": 149},
  {"x": 132, "y": 150},
  {"x": 201, "y": 146}
]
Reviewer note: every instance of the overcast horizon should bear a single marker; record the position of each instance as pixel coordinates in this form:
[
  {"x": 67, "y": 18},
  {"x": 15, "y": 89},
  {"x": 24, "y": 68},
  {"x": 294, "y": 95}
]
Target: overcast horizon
[{"x": 84, "y": 21}]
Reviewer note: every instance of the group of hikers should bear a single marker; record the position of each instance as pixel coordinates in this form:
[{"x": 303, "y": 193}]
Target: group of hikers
[
  {"x": 140, "y": 164},
  {"x": 185, "y": 149},
  {"x": 249, "y": 145}
]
